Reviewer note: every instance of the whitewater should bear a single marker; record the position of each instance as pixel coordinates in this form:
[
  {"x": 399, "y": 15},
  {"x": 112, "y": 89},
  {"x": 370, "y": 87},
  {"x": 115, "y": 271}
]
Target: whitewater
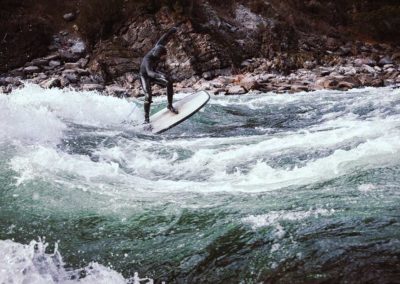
[{"x": 258, "y": 188}]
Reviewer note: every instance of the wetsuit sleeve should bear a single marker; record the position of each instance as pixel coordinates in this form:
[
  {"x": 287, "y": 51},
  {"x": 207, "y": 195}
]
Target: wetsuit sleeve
[
  {"x": 166, "y": 37},
  {"x": 155, "y": 75}
]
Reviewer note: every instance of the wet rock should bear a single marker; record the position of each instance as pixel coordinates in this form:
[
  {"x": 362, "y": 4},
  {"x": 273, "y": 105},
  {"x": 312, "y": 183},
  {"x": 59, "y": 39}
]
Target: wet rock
[
  {"x": 69, "y": 17},
  {"x": 31, "y": 69},
  {"x": 54, "y": 63},
  {"x": 396, "y": 57},
  {"x": 299, "y": 88},
  {"x": 118, "y": 91},
  {"x": 54, "y": 56},
  {"x": 38, "y": 62},
  {"x": 309, "y": 65},
  {"x": 71, "y": 77},
  {"x": 79, "y": 71},
  {"x": 83, "y": 62},
  {"x": 12, "y": 81},
  {"x": 378, "y": 69},
  {"x": 236, "y": 90},
  {"x": 343, "y": 85},
  {"x": 6, "y": 89},
  {"x": 68, "y": 56},
  {"x": 78, "y": 47},
  {"x": 51, "y": 83},
  {"x": 377, "y": 82},
  {"x": 385, "y": 60},
  {"x": 326, "y": 83},
  {"x": 344, "y": 51},
  {"x": 72, "y": 65},
  {"x": 208, "y": 75},
  {"x": 364, "y": 61},
  {"x": 368, "y": 69},
  {"x": 92, "y": 87},
  {"x": 249, "y": 83},
  {"x": 41, "y": 76},
  {"x": 347, "y": 71}
]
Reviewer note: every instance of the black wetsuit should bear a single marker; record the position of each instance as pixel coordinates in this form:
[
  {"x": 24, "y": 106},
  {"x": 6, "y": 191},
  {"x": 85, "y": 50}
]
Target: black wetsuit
[{"x": 149, "y": 75}]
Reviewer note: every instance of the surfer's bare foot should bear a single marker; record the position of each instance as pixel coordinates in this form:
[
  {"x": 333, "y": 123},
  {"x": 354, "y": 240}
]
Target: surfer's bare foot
[{"x": 172, "y": 109}]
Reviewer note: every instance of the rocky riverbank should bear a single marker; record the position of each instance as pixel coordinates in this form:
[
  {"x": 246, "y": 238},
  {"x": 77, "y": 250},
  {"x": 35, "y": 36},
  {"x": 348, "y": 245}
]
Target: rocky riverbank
[
  {"x": 67, "y": 67},
  {"x": 225, "y": 49}
]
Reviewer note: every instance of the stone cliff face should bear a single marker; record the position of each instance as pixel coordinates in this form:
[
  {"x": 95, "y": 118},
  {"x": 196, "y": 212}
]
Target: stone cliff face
[{"x": 216, "y": 37}]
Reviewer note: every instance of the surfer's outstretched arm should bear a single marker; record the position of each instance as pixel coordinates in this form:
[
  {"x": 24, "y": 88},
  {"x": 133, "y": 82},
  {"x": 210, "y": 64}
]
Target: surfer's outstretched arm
[{"x": 166, "y": 37}]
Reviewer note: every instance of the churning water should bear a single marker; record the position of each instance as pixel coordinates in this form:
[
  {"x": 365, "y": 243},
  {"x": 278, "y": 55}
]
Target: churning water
[{"x": 255, "y": 188}]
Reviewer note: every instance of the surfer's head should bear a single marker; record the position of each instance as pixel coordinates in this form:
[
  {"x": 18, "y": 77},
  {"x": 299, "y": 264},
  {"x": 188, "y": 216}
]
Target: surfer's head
[{"x": 159, "y": 51}]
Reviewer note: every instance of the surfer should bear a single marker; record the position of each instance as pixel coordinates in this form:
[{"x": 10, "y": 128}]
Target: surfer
[{"x": 149, "y": 74}]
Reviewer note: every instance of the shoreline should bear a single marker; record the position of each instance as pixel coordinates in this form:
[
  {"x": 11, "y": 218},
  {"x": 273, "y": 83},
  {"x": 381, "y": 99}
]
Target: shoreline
[{"x": 71, "y": 67}]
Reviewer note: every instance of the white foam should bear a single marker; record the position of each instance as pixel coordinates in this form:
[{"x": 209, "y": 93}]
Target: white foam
[
  {"x": 274, "y": 217},
  {"x": 228, "y": 164},
  {"x": 31, "y": 264},
  {"x": 40, "y": 115}
]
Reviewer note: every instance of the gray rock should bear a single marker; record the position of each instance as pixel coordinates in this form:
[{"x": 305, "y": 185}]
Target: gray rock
[
  {"x": 299, "y": 88},
  {"x": 385, "y": 60},
  {"x": 309, "y": 65},
  {"x": 12, "y": 80},
  {"x": 38, "y": 62},
  {"x": 117, "y": 91},
  {"x": 69, "y": 17},
  {"x": 343, "y": 85},
  {"x": 83, "y": 62},
  {"x": 92, "y": 87},
  {"x": 54, "y": 63},
  {"x": 326, "y": 83},
  {"x": 72, "y": 65},
  {"x": 78, "y": 47},
  {"x": 344, "y": 50},
  {"x": 6, "y": 89},
  {"x": 51, "y": 83},
  {"x": 236, "y": 90},
  {"x": 54, "y": 56},
  {"x": 31, "y": 69},
  {"x": 71, "y": 77},
  {"x": 68, "y": 56},
  {"x": 208, "y": 75},
  {"x": 388, "y": 66},
  {"x": 41, "y": 76},
  {"x": 249, "y": 82},
  {"x": 364, "y": 61},
  {"x": 377, "y": 83},
  {"x": 390, "y": 70},
  {"x": 368, "y": 69},
  {"x": 64, "y": 81}
]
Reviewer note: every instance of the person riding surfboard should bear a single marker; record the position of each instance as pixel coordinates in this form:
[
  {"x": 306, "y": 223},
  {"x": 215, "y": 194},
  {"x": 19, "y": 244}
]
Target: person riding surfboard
[{"x": 149, "y": 74}]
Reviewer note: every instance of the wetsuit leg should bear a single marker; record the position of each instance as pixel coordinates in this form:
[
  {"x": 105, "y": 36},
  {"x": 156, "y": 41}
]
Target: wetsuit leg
[
  {"x": 145, "y": 81},
  {"x": 170, "y": 92},
  {"x": 170, "y": 95}
]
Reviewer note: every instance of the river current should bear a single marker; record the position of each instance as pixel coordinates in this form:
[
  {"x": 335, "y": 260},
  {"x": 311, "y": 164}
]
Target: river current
[{"x": 292, "y": 188}]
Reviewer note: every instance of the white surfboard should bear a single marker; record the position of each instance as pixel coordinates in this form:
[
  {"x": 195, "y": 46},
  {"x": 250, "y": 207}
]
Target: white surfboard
[{"x": 189, "y": 105}]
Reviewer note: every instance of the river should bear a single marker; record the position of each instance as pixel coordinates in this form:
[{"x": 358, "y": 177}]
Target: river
[{"x": 271, "y": 188}]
